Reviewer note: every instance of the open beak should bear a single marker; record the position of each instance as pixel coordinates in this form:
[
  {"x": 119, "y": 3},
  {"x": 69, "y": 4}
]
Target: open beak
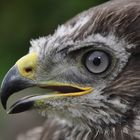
[{"x": 23, "y": 75}]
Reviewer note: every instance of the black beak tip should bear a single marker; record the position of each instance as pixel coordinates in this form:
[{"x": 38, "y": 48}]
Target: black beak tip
[
  {"x": 4, "y": 101},
  {"x": 12, "y": 83},
  {"x": 7, "y": 88}
]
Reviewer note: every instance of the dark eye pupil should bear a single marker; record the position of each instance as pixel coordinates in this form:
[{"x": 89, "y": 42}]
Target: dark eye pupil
[{"x": 97, "y": 61}]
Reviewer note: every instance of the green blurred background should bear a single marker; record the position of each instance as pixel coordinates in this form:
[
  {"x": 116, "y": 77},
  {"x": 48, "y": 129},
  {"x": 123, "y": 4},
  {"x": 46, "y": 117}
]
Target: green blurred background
[{"x": 21, "y": 21}]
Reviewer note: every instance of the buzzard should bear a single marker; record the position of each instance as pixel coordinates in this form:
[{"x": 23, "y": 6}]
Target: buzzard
[{"x": 90, "y": 69}]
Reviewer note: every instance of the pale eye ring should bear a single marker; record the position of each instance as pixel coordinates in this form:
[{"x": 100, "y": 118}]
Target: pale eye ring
[{"x": 97, "y": 61}]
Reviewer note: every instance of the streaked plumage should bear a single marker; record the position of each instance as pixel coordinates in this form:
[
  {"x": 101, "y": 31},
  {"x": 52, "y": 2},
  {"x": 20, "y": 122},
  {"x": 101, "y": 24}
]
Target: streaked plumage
[{"x": 112, "y": 109}]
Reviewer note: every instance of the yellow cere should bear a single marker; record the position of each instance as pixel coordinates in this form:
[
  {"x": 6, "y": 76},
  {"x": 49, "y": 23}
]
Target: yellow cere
[{"x": 27, "y": 65}]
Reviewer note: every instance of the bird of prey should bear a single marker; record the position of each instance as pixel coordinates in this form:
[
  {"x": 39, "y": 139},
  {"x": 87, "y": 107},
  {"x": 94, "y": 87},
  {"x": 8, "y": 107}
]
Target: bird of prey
[{"x": 90, "y": 69}]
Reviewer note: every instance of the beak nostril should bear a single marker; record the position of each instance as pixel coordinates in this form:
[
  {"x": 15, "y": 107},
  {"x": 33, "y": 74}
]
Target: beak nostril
[{"x": 28, "y": 70}]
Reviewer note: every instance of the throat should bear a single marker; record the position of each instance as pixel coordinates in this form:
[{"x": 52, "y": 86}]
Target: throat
[{"x": 64, "y": 130}]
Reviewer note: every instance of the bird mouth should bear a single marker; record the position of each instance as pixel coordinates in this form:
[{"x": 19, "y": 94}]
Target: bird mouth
[
  {"x": 13, "y": 84},
  {"x": 66, "y": 89},
  {"x": 23, "y": 75},
  {"x": 56, "y": 91}
]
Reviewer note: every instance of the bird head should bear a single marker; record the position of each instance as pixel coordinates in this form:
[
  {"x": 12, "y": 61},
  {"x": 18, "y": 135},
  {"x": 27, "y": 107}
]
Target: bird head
[{"x": 89, "y": 67}]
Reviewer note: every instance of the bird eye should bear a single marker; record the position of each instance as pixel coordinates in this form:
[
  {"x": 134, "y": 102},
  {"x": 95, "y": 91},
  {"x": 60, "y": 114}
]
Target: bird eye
[{"x": 97, "y": 61}]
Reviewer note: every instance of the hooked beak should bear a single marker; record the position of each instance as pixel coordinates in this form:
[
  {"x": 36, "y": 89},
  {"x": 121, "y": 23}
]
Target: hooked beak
[
  {"x": 13, "y": 83},
  {"x": 23, "y": 75},
  {"x": 19, "y": 77}
]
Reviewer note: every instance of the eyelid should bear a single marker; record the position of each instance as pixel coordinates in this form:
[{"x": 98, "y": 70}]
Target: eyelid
[
  {"x": 83, "y": 46},
  {"x": 89, "y": 46},
  {"x": 65, "y": 49}
]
